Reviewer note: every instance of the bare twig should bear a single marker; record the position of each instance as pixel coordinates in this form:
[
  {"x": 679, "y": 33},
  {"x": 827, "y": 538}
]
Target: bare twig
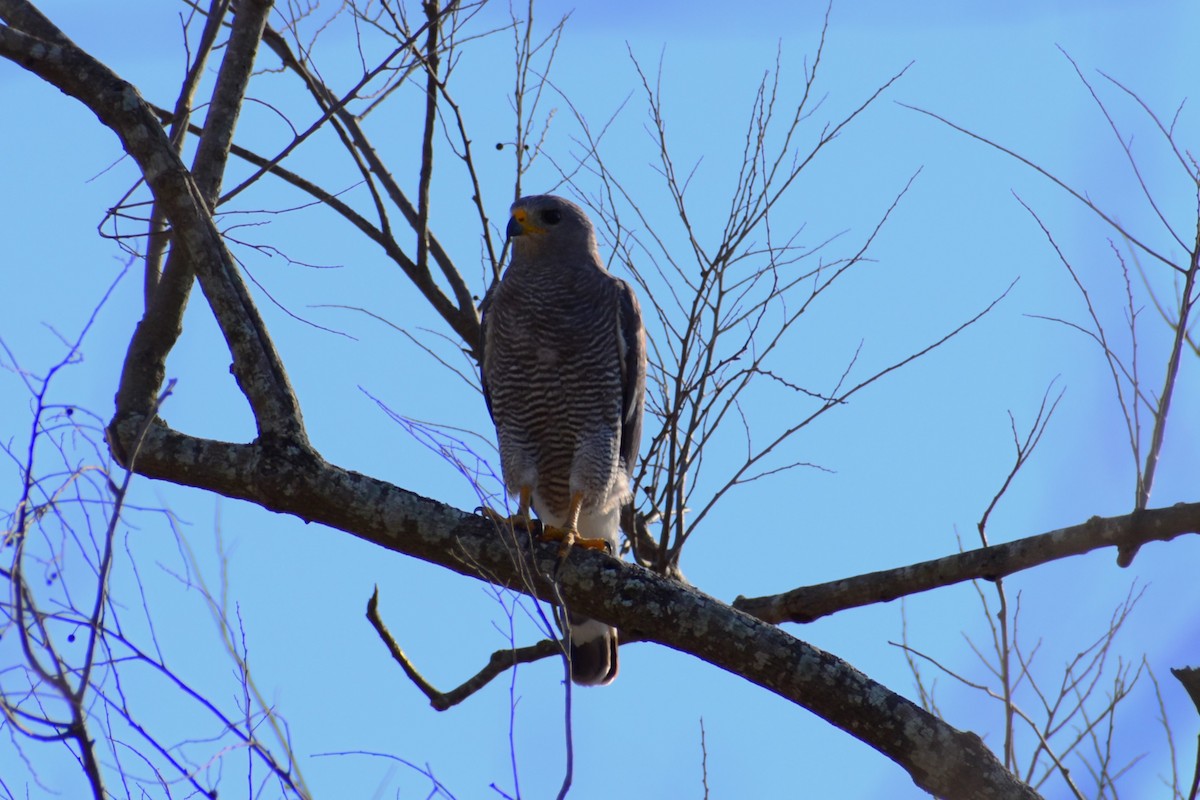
[{"x": 500, "y": 662}]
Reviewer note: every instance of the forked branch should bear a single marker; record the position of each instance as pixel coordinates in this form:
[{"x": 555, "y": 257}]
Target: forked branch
[{"x": 501, "y": 661}]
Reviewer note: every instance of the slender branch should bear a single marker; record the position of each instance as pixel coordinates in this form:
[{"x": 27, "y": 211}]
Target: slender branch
[
  {"x": 1126, "y": 145},
  {"x": 808, "y": 603},
  {"x": 431, "y": 61},
  {"x": 157, "y": 238},
  {"x": 1056, "y": 181},
  {"x": 1125, "y": 558},
  {"x": 500, "y": 662}
]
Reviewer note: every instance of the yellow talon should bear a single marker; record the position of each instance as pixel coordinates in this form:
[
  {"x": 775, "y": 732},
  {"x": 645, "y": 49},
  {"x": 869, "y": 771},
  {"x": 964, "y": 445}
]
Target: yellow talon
[
  {"x": 571, "y": 538},
  {"x": 568, "y": 535}
]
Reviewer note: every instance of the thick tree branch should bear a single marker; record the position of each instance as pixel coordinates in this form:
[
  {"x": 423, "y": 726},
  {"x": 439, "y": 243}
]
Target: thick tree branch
[
  {"x": 290, "y": 478},
  {"x": 249, "y": 22},
  {"x": 808, "y": 603}
]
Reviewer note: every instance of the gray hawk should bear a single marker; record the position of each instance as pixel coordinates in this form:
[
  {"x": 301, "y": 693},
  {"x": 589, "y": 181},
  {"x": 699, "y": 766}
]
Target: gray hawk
[{"x": 564, "y": 376}]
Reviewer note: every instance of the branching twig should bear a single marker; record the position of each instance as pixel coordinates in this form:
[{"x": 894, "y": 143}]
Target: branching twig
[{"x": 500, "y": 662}]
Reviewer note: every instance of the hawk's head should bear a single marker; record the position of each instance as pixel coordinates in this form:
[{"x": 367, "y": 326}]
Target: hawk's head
[{"x": 545, "y": 223}]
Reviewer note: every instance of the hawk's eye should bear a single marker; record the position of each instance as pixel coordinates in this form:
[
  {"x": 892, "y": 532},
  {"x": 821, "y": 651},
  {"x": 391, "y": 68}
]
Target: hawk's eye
[{"x": 551, "y": 216}]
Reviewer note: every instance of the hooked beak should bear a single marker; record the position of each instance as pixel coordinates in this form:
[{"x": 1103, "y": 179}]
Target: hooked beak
[
  {"x": 521, "y": 225},
  {"x": 515, "y": 228}
]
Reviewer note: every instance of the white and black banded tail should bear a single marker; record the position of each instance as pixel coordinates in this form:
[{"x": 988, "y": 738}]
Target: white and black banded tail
[{"x": 593, "y": 650}]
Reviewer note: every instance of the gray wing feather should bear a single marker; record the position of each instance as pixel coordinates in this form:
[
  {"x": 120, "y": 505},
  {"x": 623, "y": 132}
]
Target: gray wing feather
[
  {"x": 484, "y": 319},
  {"x": 633, "y": 375}
]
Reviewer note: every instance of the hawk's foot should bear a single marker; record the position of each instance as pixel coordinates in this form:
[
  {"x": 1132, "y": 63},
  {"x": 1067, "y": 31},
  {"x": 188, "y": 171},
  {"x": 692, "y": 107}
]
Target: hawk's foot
[{"x": 569, "y": 537}]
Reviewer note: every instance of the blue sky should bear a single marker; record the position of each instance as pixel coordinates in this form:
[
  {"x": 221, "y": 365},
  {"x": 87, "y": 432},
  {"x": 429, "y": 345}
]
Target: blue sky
[{"x": 911, "y": 463}]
